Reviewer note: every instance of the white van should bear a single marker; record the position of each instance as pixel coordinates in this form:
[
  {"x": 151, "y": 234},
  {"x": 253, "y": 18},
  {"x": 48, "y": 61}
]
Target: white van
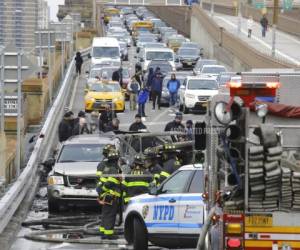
[
  {"x": 105, "y": 49},
  {"x": 164, "y": 54}
]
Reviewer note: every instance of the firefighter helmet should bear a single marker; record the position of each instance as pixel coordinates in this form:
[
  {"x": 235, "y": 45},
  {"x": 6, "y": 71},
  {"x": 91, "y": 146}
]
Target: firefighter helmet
[
  {"x": 113, "y": 154},
  {"x": 106, "y": 149},
  {"x": 150, "y": 153},
  {"x": 139, "y": 159}
]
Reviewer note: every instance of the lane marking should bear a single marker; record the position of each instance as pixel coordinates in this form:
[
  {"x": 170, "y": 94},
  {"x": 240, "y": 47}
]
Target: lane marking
[{"x": 261, "y": 42}]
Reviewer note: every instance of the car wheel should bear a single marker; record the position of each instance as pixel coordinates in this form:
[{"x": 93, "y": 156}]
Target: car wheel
[
  {"x": 185, "y": 109},
  {"x": 53, "y": 206},
  {"x": 140, "y": 239}
]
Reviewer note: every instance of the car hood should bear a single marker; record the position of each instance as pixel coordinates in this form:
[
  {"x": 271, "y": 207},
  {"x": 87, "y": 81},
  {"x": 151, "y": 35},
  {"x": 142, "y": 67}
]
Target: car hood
[
  {"x": 104, "y": 95},
  {"x": 202, "y": 92},
  {"x": 76, "y": 168}
]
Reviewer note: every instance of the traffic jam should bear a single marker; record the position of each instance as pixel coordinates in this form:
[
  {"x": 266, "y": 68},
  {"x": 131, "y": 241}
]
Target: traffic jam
[{"x": 208, "y": 177}]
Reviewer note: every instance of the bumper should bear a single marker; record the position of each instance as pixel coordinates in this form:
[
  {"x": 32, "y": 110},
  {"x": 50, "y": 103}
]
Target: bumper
[
  {"x": 116, "y": 106},
  {"x": 196, "y": 105},
  {"x": 188, "y": 64},
  {"x": 70, "y": 194}
]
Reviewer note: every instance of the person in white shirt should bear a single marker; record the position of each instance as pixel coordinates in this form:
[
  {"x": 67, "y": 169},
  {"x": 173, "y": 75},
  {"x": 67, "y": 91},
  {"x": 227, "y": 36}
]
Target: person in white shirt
[{"x": 249, "y": 26}]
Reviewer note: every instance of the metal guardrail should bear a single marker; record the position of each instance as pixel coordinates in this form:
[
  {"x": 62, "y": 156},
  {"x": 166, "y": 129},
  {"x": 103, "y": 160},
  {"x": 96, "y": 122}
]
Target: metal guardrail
[
  {"x": 143, "y": 2},
  {"x": 12, "y": 199}
]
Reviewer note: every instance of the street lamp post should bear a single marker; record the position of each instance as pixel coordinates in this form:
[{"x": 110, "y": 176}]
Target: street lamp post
[{"x": 275, "y": 22}]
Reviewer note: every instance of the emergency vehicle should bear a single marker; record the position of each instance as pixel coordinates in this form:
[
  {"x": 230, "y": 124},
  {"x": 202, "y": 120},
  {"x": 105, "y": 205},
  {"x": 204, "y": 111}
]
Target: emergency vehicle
[
  {"x": 244, "y": 218},
  {"x": 171, "y": 215}
]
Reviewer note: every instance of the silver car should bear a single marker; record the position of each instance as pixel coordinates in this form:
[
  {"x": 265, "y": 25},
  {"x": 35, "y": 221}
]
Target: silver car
[{"x": 73, "y": 180}]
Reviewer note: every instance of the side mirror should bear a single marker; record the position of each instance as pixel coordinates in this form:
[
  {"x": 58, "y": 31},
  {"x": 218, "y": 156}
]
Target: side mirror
[
  {"x": 182, "y": 87},
  {"x": 89, "y": 56}
]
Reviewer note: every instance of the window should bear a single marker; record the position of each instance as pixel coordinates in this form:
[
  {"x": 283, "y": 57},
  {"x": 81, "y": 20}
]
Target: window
[
  {"x": 102, "y": 87},
  {"x": 81, "y": 152},
  {"x": 197, "y": 183},
  {"x": 202, "y": 84},
  {"x": 177, "y": 183},
  {"x": 111, "y": 52}
]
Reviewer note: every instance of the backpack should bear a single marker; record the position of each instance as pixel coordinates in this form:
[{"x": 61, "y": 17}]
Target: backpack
[{"x": 173, "y": 86}]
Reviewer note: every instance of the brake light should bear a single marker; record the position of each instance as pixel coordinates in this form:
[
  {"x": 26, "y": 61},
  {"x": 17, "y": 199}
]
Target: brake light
[
  {"x": 273, "y": 85},
  {"x": 234, "y": 243},
  {"x": 234, "y": 85}
]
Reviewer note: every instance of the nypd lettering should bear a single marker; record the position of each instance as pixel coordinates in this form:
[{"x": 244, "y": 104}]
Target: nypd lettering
[{"x": 163, "y": 212}]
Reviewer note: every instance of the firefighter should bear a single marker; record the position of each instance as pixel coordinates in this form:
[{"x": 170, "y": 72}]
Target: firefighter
[
  {"x": 109, "y": 191},
  {"x": 171, "y": 162},
  {"x": 139, "y": 179},
  {"x": 151, "y": 163}
]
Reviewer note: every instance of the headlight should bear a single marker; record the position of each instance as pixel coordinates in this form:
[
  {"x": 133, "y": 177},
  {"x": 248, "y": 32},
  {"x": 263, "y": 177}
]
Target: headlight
[
  {"x": 190, "y": 96},
  {"x": 120, "y": 98},
  {"x": 56, "y": 180}
]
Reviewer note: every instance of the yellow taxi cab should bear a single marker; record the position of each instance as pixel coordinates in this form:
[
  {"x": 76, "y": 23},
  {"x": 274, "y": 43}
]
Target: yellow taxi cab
[
  {"x": 102, "y": 93},
  {"x": 141, "y": 26},
  {"x": 110, "y": 12}
]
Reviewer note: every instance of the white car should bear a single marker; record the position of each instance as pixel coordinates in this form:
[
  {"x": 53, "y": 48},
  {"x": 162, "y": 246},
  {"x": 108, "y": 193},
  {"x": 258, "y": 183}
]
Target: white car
[
  {"x": 172, "y": 215},
  {"x": 196, "y": 91},
  {"x": 213, "y": 70}
]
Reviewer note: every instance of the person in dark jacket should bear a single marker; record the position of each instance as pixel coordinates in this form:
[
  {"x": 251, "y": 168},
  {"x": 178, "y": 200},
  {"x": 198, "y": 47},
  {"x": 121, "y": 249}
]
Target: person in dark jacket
[
  {"x": 264, "y": 25},
  {"x": 78, "y": 62},
  {"x": 113, "y": 126},
  {"x": 138, "y": 124},
  {"x": 173, "y": 86},
  {"x": 189, "y": 130},
  {"x": 150, "y": 77},
  {"x": 133, "y": 88},
  {"x": 176, "y": 124},
  {"x": 156, "y": 88},
  {"x": 105, "y": 118},
  {"x": 171, "y": 163},
  {"x": 152, "y": 164},
  {"x": 142, "y": 99},
  {"x": 138, "y": 75},
  {"x": 118, "y": 76},
  {"x": 65, "y": 128}
]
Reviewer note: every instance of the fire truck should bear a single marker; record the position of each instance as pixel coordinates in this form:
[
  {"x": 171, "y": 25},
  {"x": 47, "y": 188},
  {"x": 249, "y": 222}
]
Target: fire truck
[{"x": 252, "y": 176}]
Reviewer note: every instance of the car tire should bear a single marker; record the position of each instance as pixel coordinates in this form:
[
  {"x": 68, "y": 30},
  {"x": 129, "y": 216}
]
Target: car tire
[
  {"x": 140, "y": 239},
  {"x": 53, "y": 206},
  {"x": 185, "y": 109}
]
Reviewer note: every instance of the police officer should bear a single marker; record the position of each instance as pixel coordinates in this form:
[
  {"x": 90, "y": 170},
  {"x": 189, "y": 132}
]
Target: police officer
[
  {"x": 171, "y": 163},
  {"x": 109, "y": 191},
  {"x": 151, "y": 163},
  {"x": 139, "y": 179}
]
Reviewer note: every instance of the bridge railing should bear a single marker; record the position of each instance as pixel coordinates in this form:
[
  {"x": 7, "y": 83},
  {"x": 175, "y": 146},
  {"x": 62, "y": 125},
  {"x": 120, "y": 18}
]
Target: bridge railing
[
  {"x": 13, "y": 198},
  {"x": 143, "y": 2}
]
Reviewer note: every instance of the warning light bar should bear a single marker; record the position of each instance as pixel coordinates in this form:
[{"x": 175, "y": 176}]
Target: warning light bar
[{"x": 271, "y": 85}]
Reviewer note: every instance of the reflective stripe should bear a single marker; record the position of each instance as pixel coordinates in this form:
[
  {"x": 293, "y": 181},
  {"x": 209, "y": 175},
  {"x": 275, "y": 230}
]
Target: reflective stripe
[
  {"x": 127, "y": 199},
  {"x": 108, "y": 232},
  {"x": 157, "y": 176},
  {"x": 125, "y": 183},
  {"x": 101, "y": 229},
  {"x": 138, "y": 183},
  {"x": 103, "y": 179},
  {"x": 165, "y": 174},
  {"x": 113, "y": 179},
  {"x": 112, "y": 192},
  {"x": 98, "y": 173}
]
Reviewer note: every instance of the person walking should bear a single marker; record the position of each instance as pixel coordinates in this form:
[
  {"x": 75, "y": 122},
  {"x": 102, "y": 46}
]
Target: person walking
[
  {"x": 250, "y": 26},
  {"x": 138, "y": 124},
  {"x": 133, "y": 88},
  {"x": 173, "y": 86},
  {"x": 150, "y": 77},
  {"x": 80, "y": 124},
  {"x": 117, "y": 76},
  {"x": 78, "y": 62},
  {"x": 113, "y": 126},
  {"x": 264, "y": 24},
  {"x": 142, "y": 99},
  {"x": 109, "y": 189},
  {"x": 156, "y": 88},
  {"x": 176, "y": 124},
  {"x": 65, "y": 128},
  {"x": 189, "y": 130},
  {"x": 105, "y": 118}
]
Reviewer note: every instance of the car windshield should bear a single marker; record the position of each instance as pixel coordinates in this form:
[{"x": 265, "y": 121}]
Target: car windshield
[
  {"x": 154, "y": 45},
  {"x": 144, "y": 39},
  {"x": 188, "y": 52},
  {"x": 213, "y": 70},
  {"x": 202, "y": 84},
  {"x": 142, "y": 29},
  {"x": 189, "y": 45},
  {"x": 159, "y": 55},
  {"x": 111, "y": 52},
  {"x": 176, "y": 40},
  {"x": 105, "y": 87},
  {"x": 81, "y": 153}
]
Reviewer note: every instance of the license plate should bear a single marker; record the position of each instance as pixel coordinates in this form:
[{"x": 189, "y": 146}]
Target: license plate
[
  {"x": 259, "y": 220},
  {"x": 189, "y": 63}
]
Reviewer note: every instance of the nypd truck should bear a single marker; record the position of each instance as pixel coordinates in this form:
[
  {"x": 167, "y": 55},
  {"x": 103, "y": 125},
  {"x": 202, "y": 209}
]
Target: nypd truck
[{"x": 171, "y": 215}]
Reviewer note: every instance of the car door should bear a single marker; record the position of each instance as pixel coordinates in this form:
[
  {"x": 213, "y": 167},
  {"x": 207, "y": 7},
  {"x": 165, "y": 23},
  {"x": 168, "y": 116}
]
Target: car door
[
  {"x": 164, "y": 208},
  {"x": 192, "y": 207}
]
